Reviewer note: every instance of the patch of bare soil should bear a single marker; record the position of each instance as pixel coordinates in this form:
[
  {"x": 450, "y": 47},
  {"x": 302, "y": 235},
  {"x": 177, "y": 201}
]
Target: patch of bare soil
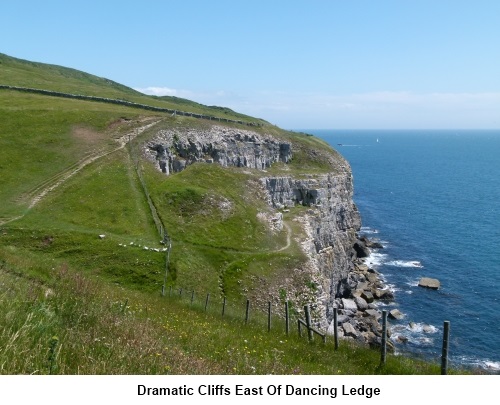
[{"x": 87, "y": 135}]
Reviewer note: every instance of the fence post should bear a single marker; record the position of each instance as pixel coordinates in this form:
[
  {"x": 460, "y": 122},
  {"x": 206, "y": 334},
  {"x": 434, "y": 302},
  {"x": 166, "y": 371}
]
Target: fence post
[
  {"x": 335, "y": 328},
  {"x": 206, "y": 301},
  {"x": 446, "y": 345},
  {"x": 383, "y": 349},
  {"x": 269, "y": 316},
  {"x": 223, "y": 306},
  {"x": 167, "y": 261},
  {"x": 308, "y": 322},
  {"x": 192, "y": 297},
  {"x": 247, "y": 311},
  {"x": 287, "y": 318}
]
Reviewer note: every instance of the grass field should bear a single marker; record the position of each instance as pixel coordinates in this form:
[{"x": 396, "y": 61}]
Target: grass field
[{"x": 82, "y": 266}]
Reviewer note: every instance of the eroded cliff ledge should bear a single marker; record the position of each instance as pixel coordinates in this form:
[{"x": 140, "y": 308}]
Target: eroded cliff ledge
[
  {"x": 329, "y": 219},
  {"x": 174, "y": 150}
]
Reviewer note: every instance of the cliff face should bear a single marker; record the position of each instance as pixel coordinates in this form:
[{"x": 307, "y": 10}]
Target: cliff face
[
  {"x": 330, "y": 221},
  {"x": 174, "y": 150}
]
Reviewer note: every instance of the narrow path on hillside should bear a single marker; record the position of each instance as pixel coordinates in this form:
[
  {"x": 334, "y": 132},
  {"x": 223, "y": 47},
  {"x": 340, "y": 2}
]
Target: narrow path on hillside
[
  {"x": 288, "y": 237},
  {"x": 41, "y": 190}
]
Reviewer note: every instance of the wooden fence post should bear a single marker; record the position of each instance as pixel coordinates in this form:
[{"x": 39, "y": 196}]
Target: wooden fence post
[
  {"x": 446, "y": 346},
  {"x": 269, "y": 316},
  {"x": 223, "y": 306},
  {"x": 287, "y": 318},
  {"x": 247, "y": 311},
  {"x": 383, "y": 348},
  {"x": 308, "y": 322},
  {"x": 206, "y": 301},
  {"x": 335, "y": 328},
  {"x": 192, "y": 297}
]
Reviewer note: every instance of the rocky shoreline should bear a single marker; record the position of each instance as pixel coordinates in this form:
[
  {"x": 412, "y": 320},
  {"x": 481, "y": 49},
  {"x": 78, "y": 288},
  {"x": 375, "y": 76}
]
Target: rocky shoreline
[{"x": 359, "y": 316}]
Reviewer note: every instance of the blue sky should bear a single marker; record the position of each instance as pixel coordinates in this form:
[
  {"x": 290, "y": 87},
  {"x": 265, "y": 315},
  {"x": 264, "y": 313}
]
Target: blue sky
[{"x": 298, "y": 64}]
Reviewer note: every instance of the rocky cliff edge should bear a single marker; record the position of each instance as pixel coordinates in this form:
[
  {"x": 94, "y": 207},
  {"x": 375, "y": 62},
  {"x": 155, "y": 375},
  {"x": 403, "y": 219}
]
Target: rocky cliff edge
[{"x": 330, "y": 220}]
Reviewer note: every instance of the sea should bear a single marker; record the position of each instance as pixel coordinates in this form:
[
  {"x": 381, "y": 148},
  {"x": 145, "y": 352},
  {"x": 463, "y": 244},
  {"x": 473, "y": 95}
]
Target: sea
[{"x": 432, "y": 198}]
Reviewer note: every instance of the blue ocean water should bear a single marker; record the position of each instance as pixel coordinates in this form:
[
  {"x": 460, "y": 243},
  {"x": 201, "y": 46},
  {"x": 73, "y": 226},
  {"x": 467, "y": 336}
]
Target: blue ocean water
[{"x": 433, "y": 199}]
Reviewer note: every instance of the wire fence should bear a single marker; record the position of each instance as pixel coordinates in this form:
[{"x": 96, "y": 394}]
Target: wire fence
[{"x": 286, "y": 319}]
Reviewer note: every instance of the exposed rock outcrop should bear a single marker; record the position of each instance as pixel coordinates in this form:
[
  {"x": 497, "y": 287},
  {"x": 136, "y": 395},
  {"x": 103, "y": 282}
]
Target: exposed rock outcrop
[{"x": 174, "y": 150}]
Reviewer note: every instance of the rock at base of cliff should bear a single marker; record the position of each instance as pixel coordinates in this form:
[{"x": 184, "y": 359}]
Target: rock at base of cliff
[
  {"x": 396, "y": 314},
  {"x": 349, "y": 330},
  {"x": 361, "y": 249},
  {"x": 349, "y": 305},
  {"x": 431, "y": 283}
]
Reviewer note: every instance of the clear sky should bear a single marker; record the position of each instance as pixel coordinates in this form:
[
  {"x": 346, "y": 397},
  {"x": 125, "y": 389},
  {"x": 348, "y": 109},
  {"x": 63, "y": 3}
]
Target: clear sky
[{"x": 298, "y": 64}]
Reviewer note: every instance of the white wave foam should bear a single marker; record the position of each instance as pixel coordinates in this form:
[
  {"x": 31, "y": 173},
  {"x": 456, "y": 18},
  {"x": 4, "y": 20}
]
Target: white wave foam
[
  {"x": 418, "y": 327},
  {"x": 405, "y": 263},
  {"x": 365, "y": 229},
  {"x": 375, "y": 259},
  {"x": 492, "y": 365},
  {"x": 418, "y": 334},
  {"x": 415, "y": 333},
  {"x": 413, "y": 283},
  {"x": 484, "y": 364},
  {"x": 392, "y": 287}
]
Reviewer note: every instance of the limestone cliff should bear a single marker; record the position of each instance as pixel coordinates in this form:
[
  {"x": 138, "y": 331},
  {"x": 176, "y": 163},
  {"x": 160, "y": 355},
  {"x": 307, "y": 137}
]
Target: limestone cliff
[
  {"x": 330, "y": 220},
  {"x": 174, "y": 150},
  {"x": 330, "y": 223}
]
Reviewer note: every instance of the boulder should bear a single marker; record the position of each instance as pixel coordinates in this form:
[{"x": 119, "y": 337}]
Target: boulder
[
  {"x": 349, "y": 305},
  {"x": 349, "y": 330},
  {"x": 402, "y": 339},
  {"x": 373, "y": 312},
  {"x": 431, "y": 283},
  {"x": 357, "y": 293},
  {"x": 362, "y": 286},
  {"x": 367, "y": 296},
  {"x": 342, "y": 319},
  {"x": 361, "y": 303},
  {"x": 396, "y": 314},
  {"x": 362, "y": 268},
  {"x": 385, "y": 295}
]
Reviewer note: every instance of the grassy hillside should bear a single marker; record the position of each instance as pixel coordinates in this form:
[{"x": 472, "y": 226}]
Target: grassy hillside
[
  {"x": 22, "y": 73},
  {"x": 75, "y": 302}
]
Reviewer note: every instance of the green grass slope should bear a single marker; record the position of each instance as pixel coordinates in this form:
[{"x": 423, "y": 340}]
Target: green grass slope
[
  {"x": 75, "y": 302},
  {"x": 22, "y": 73}
]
